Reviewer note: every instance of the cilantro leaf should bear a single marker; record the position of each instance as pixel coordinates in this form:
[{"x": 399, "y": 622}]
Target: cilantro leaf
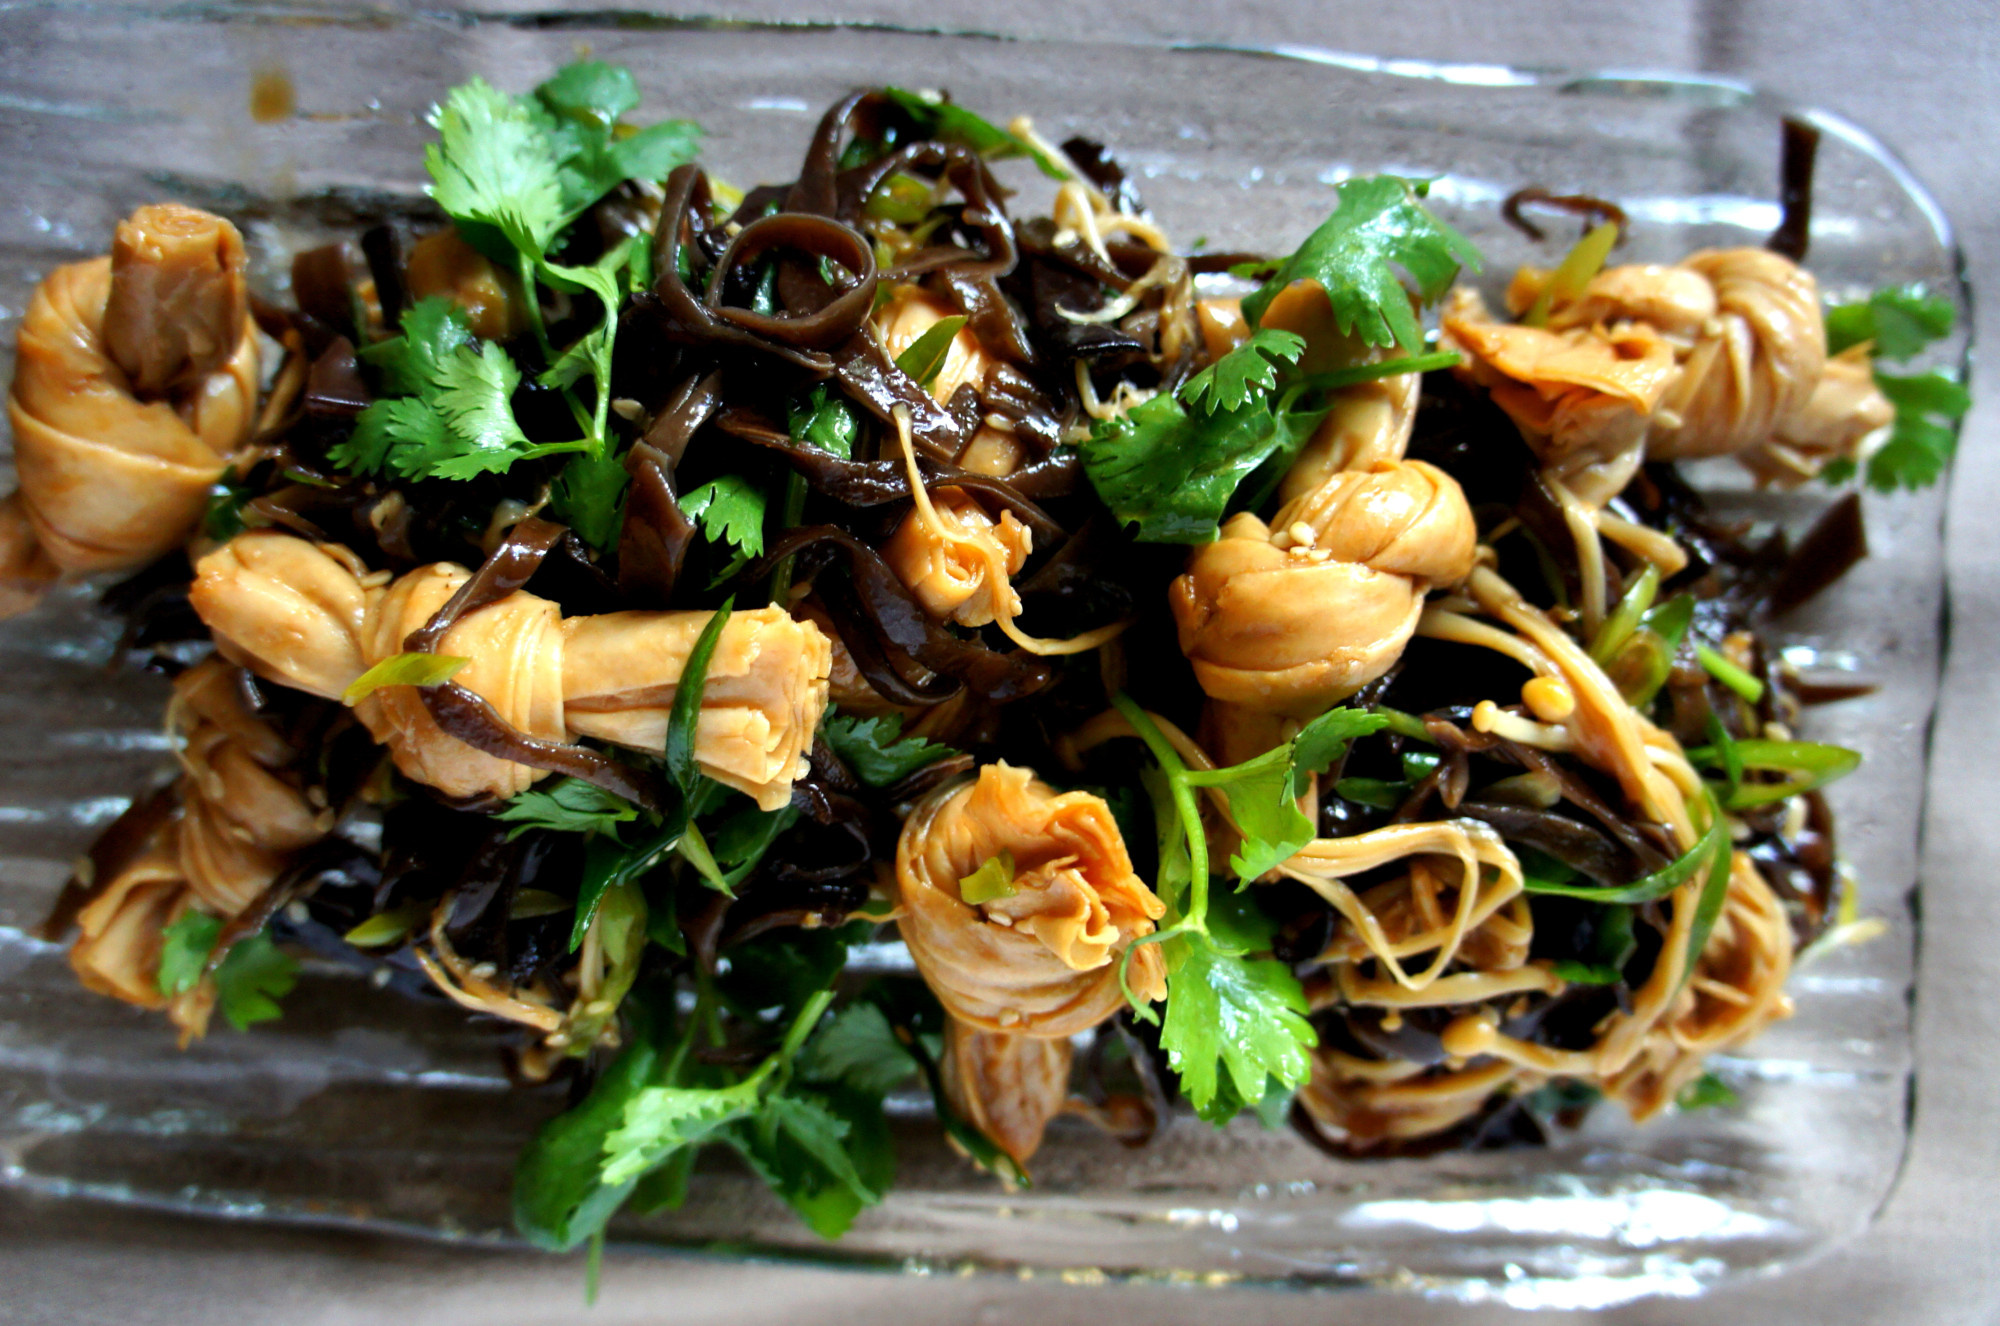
[
  {"x": 583, "y": 103},
  {"x": 747, "y": 835},
  {"x": 576, "y": 363},
  {"x": 458, "y": 422},
  {"x": 1923, "y": 438},
  {"x": 1324, "y": 740},
  {"x": 1705, "y": 1092},
  {"x": 560, "y": 1195},
  {"x": 403, "y": 427},
  {"x": 1263, "y": 792},
  {"x": 1898, "y": 320},
  {"x": 567, "y": 805},
  {"x": 860, "y": 1049},
  {"x": 590, "y": 91},
  {"x": 589, "y": 496},
  {"x": 661, "y": 1120},
  {"x": 184, "y": 948},
  {"x": 475, "y": 400},
  {"x": 1271, "y": 1110},
  {"x": 223, "y": 518},
  {"x": 731, "y": 510},
  {"x": 809, "y": 1125},
  {"x": 1265, "y": 809},
  {"x": 1378, "y": 225},
  {"x": 652, "y": 153},
  {"x": 1245, "y": 1017},
  {"x": 827, "y": 1153},
  {"x": 1171, "y": 474},
  {"x": 875, "y": 750},
  {"x": 434, "y": 329},
  {"x": 1232, "y": 381},
  {"x": 251, "y": 980},
  {"x": 494, "y": 164}
]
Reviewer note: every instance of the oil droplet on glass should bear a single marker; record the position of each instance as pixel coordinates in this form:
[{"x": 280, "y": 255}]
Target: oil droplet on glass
[{"x": 272, "y": 97}]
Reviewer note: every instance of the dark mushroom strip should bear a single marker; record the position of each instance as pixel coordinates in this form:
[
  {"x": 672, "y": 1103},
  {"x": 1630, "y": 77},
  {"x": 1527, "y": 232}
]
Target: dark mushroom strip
[
  {"x": 902, "y": 626},
  {"x": 1594, "y": 211},
  {"x": 1830, "y": 549},
  {"x": 866, "y": 483},
  {"x": 868, "y": 377},
  {"x": 692, "y": 320},
  {"x": 837, "y": 312},
  {"x": 1800, "y": 154},
  {"x": 1575, "y": 844},
  {"x": 656, "y": 535}
]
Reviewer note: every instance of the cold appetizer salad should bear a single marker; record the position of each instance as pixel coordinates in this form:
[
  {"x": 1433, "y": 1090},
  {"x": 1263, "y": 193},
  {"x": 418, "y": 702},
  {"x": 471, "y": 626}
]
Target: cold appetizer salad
[{"x": 604, "y": 596}]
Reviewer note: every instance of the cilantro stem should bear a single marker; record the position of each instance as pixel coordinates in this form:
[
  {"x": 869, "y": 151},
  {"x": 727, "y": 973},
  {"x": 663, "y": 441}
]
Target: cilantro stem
[
  {"x": 1184, "y": 807},
  {"x": 1386, "y": 368},
  {"x": 1403, "y": 724},
  {"x": 788, "y": 518},
  {"x": 802, "y": 1025},
  {"x": 531, "y": 295},
  {"x": 706, "y": 1016},
  {"x": 593, "y": 1267},
  {"x": 555, "y": 448}
]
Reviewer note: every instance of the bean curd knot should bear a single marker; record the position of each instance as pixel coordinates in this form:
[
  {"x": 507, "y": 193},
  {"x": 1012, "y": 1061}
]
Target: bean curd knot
[
  {"x": 239, "y": 824},
  {"x": 134, "y": 383},
  {"x": 1040, "y": 956},
  {"x": 1007, "y": 1086},
  {"x": 1722, "y": 354},
  {"x": 1293, "y": 616},
  {"x": 310, "y": 616}
]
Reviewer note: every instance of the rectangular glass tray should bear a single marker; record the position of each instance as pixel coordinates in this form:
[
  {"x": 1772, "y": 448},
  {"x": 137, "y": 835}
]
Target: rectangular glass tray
[{"x": 362, "y": 1108}]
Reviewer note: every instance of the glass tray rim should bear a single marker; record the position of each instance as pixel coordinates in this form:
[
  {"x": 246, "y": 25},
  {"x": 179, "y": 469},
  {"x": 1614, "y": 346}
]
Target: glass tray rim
[{"x": 1625, "y": 84}]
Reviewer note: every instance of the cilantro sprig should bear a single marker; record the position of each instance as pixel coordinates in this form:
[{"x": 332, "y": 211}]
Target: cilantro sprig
[
  {"x": 1378, "y": 226},
  {"x": 1173, "y": 465},
  {"x": 567, "y": 805},
  {"x": 1233, "y": 381},
  {"x": 513, "y": 174},
  {"x": 807, "y": 1119},
  {"x": 1898, "y": 323},
  {"x": 876, "y": 750},
  {"x": 249, "y": 981},
  {"x": 1171, "y": 472},
  {"x": 1234, "y": 1023}
]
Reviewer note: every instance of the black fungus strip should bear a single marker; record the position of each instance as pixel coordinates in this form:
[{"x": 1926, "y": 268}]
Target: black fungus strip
[
  {"x": 1830, "y": 549},
  {"x": 1799, "y": 154},
  {"x": 653, "y": 542},
  {"x": 1594, "y": 211},
  {"x": 900, "y": 624},
  {"x": 866, "y": 483}
]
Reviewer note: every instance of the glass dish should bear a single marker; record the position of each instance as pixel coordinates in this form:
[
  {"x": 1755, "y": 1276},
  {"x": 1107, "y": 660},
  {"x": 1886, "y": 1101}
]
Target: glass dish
[{"x": 364, "y": 1108}]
